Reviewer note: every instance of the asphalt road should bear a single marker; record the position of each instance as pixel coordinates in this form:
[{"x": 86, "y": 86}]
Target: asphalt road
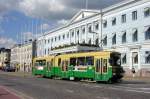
[{"x": 42, "y": 88}]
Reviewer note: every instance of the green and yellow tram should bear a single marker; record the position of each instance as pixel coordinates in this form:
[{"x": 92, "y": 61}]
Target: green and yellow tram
[
  {"x": 41, "y": 65},
  {"x": 98, "y": 66}
]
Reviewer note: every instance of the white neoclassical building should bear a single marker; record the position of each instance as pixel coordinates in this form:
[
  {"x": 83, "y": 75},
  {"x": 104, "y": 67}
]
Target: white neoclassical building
[
  {"x": 22, "y": 55},
  {"x": 123, "y": 27}
]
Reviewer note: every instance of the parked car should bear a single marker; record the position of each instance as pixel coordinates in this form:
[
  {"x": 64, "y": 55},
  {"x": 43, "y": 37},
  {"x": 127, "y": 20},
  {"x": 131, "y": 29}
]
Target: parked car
[{"x": 9, "y": 69}]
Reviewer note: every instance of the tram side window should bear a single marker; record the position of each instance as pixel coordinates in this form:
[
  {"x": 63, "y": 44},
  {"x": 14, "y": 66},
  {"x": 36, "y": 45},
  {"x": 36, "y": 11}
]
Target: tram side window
[
  {"x": 52, "y": 62},
  {"x": 49, "y": 65},
  {"x": 59, "y": 61},
  {"x": 43, "y": 63},
  {"x": 64, "y": 65},
  {"x": 105, "y": 65},
  {"x": 81, "y": 61},
  {"x": 89, "y": 61},
  {"x": 73, "y": 61},
  {"x": 97, "y": 65}
]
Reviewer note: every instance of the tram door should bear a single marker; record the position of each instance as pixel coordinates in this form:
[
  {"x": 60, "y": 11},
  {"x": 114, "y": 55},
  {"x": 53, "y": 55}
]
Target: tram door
[{"x": 98, "y": 68}]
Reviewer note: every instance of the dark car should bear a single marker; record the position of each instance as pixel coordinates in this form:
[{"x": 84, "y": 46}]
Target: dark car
[{"x": 9, "y": 69}]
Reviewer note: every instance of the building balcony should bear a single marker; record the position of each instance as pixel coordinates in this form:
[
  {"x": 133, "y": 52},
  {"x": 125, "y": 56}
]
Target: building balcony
[{"x": 74, "y": 48}]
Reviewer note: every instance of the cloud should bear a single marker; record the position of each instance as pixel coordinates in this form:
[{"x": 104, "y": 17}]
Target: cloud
[
  {"x": 6, "y": 42},
  {"x": 45, "y": 26},
  {"x": 52, "y": 9},
  {"x": 7, "y": 5},
  {"x": 59, "y": 9},
  {"x": 27, "y": 35},
  {"x": 62, "y": 22}
]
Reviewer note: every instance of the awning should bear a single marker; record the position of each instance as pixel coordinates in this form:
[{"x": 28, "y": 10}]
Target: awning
[
  {"x": 147, "y": 54},
  {"x": 123, "y": 32},
  {"x": 123, "y": 55},
  {"x": 104, "y": 36},
  {"x": 113, "y": 18},
  {"x": 113, "y": 34},
  {"x": 146, "y": 28},
  {"x": 134, "y": 30},
  {"x": 134, "y": 54},
  {"x": 146, "y": 9},
  {"x": 104, "y": 21}
]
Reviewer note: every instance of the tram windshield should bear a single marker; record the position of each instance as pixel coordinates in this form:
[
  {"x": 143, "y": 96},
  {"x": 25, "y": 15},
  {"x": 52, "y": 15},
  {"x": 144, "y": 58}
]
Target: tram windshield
[
  {"x": 115, "y": 59},
  {"x": 40, "y": 63}
]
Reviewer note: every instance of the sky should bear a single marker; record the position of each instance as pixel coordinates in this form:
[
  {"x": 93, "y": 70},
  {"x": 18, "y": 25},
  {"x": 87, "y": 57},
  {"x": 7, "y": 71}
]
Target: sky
[{"x": 30, "y": 17}]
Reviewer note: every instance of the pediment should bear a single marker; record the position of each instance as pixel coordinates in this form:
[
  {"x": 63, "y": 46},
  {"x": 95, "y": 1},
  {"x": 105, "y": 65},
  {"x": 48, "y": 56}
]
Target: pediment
[{"x": 83, "y": 14}]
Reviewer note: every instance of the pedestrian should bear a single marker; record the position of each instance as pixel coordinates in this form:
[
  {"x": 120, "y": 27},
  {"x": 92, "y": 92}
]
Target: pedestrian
[{"x": 133, "y": 72}]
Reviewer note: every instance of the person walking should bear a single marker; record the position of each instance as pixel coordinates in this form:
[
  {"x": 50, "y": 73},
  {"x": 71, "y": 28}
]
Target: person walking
[{"x": 133, "y": 72}]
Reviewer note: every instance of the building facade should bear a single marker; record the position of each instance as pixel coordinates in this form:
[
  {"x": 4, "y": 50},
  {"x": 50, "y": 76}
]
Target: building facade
[
  {"x": 22, "y": 55},
  {"x": 123, "y": 27},
  {"x": 4, "y": 57}
]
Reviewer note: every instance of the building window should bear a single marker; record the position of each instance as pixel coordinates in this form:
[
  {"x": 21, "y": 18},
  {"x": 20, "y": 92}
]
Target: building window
[
  {"x": 147, "y": 34},
  {"x": 135, "y": 36},
  {"x": 68, "y": 35},
  {"x": 147, "y": 57},
  {"x": 124, "y": 38},
  {"x": 63, "y": 36},
  {"x": 78, "y": 32},
  {"x": 135, "y": 57},
  {"x": 123, "y": 18},
  {"x": 147, "y": 12},
  {"x": 45, "y": 41},
  {"x": 90, "y": 29},
  {"x": 124, "y": 59},
  {"x": 97, "y": 42},
  {"x": 59, "y": 37},
  {"x": 72, "y": 34},
  {"x": 96, "y": 26},
  {"x": 134, "y": 15},
  {"x": 83, "y": 30},
  {"x": 55, "y": 39},
  {"x": 104, "y": 23},
  {"x": 90, "y": 42},
  {"x": 114, "y": 39},
  {"x": 52, "y": 40},
  {"x": 45, "y": 51},
  {"x": 113, "y": 21},
  {"x": 48, "y": 40},
  {"x": 105, "y": 41}
]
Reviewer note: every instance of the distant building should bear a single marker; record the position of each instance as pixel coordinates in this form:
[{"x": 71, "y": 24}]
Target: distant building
[
  {"x": 123, "y": 27},
  {"x": 22, "y": 55},
  {"x": 4, "y": 57}
]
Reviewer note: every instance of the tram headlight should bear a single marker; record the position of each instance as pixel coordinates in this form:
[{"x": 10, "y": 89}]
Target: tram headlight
[
  {"x": 40, "y": 68},
  {"x": 114, "y": 73}
]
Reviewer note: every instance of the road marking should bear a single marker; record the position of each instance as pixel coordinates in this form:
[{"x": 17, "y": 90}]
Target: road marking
[
  {"x": 130, "y": 89},
  {"x": 17, "y": 93},
  {"x": 69, "y": 90}
]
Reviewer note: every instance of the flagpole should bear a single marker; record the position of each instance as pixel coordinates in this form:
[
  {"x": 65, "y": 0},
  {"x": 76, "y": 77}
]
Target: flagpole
[{"x": 86, "y": 6}]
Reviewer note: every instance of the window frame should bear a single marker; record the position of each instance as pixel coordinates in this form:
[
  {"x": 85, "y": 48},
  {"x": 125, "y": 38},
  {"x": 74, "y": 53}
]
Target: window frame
[
  {"x": 134, "y": 15},
  {"x": 123, "y": 18}
]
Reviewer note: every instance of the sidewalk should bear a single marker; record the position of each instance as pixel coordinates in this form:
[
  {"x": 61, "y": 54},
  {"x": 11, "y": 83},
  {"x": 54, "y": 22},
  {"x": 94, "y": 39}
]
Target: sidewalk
[
  {"x": 20, "y": 74},
  {"x": 6, "y": 94},
  {"x": 140, "y": 79}
]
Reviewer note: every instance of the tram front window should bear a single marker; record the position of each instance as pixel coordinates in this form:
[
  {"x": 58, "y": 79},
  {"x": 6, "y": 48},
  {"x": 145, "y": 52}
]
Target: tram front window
[
  {"x": 115, "y": 59},
  {"x": 40, "y": 64}
]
